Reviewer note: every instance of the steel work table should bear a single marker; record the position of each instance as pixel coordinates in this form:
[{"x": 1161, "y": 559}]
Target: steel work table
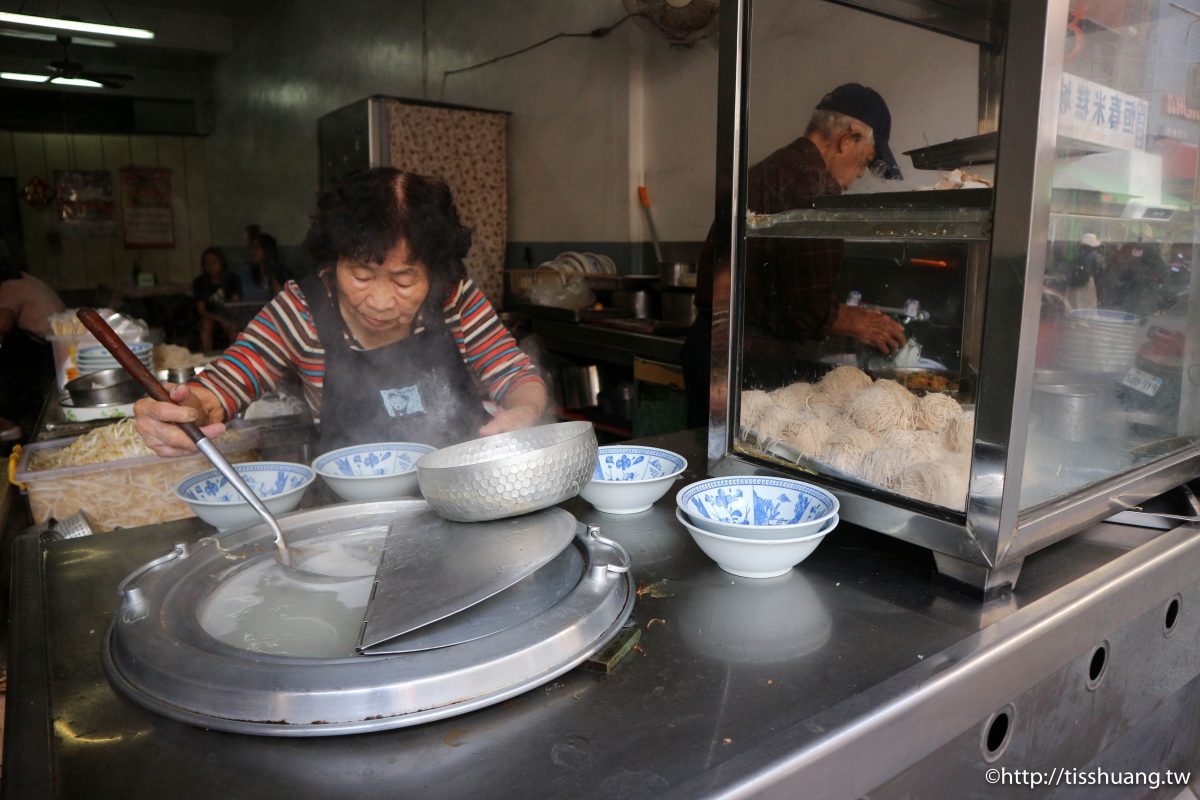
[{"x": 856, "y": 673}]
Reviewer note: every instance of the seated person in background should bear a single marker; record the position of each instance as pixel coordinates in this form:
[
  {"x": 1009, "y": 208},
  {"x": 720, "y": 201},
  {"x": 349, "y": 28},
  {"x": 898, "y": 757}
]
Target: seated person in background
[
  {"x": 263, "y": 276},
  {"x": 26, "y": 359},
  {"x": 391, "y": 339},
  {"x": 213, "y": 288}
]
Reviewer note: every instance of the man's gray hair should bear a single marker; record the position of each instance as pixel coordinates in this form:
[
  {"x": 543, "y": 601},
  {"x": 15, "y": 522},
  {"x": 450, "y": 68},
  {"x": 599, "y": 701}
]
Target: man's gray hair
[{"x": 831, "y": 124}]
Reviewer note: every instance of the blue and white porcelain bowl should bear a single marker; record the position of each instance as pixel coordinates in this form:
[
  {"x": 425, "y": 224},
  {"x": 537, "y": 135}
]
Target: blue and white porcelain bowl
[
  {"x": 380, "y": 471},
  {"x": 628, "y": 479},
  {"x": 756, "y": 558},
  {"x": 279, "y": 484},
  {"x": 757, "y": 507}
]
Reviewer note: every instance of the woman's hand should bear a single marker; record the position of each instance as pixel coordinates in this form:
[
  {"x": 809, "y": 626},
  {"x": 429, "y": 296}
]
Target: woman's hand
[
  {"x": 870, "y": 326},
  {"x": 157, "y": 421},
  {"x": 511, "y": 419},
  {"x": 523, "y": 407}
]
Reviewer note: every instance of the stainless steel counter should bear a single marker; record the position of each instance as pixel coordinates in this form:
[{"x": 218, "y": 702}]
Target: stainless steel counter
[{"x": 856, "y": 673}]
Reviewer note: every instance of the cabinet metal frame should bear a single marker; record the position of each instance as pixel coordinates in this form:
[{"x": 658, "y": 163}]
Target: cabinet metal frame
[{"x": 994, "y": 534}]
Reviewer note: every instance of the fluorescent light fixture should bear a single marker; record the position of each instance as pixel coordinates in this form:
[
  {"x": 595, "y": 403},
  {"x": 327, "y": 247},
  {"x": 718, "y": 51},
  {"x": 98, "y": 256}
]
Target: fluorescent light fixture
[
  {"x": 50, "y": 37},
  {"x": 24, "y": 76},
  {"x": 74, "y": 26},
  {"x": 77, "y": 82}
]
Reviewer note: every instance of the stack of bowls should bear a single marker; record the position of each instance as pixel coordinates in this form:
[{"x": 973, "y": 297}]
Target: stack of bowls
[
  {"x": 756, "y": 526},
  {"x": 96, "y": 357},
  {"x": 628, "y": 479},
  {"x": 1099, "y": 340}
]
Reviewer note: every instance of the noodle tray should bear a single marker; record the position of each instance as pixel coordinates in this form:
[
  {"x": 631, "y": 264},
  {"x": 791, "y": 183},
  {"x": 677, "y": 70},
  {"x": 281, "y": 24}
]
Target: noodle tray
[{"x": 118, "y": 493}]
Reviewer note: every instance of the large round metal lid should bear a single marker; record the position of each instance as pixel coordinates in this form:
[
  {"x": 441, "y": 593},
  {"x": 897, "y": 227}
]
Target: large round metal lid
[{"x": 217, "y": 635}]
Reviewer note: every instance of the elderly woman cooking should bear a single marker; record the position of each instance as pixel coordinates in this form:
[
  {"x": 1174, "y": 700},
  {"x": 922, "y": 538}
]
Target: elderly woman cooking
[{"x": 391, "y": 339}]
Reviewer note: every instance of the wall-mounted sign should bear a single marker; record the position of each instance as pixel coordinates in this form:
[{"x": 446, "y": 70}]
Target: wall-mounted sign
[
  {"x": 146, "y": 207},
  {"x": 1092, "y": 112},
  {"x": 84, "y": 202}
]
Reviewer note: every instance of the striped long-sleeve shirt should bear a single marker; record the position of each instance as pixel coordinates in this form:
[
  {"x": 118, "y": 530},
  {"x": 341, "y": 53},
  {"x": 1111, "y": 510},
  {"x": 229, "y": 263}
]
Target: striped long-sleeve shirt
[{"x": 283, "y": 337}]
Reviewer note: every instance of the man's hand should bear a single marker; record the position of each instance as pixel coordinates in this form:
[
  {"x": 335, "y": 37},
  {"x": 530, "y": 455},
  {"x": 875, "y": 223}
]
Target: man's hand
[
  {"x": 869, "y": 326},
  {"x": 156, "y": 421}
]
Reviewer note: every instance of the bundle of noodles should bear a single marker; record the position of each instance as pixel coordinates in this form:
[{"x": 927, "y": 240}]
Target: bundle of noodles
[
  {"x": 883, "y": 465},
  {"x": 771, "y": 423},
  {"x": 806, "y": 433},
  {"x": 827, "y": 411},
  {"x": 845, "y": 448},
  {"x": 934, "y": 412},
  {"x": 800, "y": 390},
  {"x": 755, "y": 405},
  {"x": 928, "y": 481},
  {"x": 840, "y": 384},
  {"x": 109, "y": 443},
  {"x": 920, "y": 445},
  {"x": 880, "y": 408},
  {"x": 959, "y": 467},
  {"x": 959, "y": 432},
  {"x": 791, "y": 399}
]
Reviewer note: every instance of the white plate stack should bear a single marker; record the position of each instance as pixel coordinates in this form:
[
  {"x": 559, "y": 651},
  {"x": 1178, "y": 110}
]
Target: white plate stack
[
  {"x": 95, "y": 358},
  {"x": 1099, "y": 340}
]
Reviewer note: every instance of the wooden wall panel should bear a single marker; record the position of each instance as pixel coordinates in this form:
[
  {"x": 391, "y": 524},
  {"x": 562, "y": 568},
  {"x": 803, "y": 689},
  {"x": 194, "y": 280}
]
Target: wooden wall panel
[
  {"x": 196, "y": 202},
  {"x": 179, "y": 260},
  {"x": 68, "y": 262},
  {"x": 116, "y": 155},
  {"x": 8, "y": 161},
  {"x": 42, "y": 252}
]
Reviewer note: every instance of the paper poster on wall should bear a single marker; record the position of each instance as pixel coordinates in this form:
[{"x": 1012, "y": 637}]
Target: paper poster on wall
[
  {"x": 84, "y": 200},
  {"x": 146, "y": 207}
]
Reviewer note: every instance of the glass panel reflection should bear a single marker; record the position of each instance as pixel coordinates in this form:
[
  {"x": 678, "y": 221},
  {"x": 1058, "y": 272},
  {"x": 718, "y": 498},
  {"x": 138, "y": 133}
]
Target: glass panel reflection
[
  {"x": 1117, "y": 367},
  {"x": 857, "y": 356}
]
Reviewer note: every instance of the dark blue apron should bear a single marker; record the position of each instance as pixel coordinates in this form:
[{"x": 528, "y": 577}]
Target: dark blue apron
[{"x": 415, "y": 390}]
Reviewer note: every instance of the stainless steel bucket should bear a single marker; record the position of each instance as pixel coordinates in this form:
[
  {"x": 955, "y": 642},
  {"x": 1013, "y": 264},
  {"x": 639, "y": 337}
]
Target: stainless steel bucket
[
  {"x": 580, "y": 386},
  {"x": 1067, "y": 411}
]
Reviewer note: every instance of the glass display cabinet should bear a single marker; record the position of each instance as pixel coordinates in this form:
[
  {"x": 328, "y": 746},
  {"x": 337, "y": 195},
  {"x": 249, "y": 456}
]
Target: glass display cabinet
[{"x": 1039, "y": 260}]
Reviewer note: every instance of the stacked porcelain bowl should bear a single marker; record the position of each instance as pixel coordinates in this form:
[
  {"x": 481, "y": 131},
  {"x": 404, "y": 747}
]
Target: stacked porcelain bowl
[
  {"x": 582, "y": 264},
  {"x": 96, "y": 358},
  {"x": 756, "y": 526},
  {"x": 1099, "y": 340}
]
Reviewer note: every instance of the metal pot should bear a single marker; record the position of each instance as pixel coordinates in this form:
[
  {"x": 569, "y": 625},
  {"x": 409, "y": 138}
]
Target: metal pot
[
  {"x": 106, "y": 387},
  {"x": 1067, "y": 411},
  {"x": 677, "y": 274},
  {"x": 580, "y": 386},
  {"x": 617, "y": 402},
  {"x": 679, "y": 307},
  {"x": 640, "y": 302}
]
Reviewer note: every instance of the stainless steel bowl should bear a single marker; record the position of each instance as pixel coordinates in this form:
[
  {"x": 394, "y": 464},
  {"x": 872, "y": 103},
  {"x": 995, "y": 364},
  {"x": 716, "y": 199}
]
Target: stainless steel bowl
[
  {"x": 510, "y": 473},
  {"x": 106, "y": 387}
]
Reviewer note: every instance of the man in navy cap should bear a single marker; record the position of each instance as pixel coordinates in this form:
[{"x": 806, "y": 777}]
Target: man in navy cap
[{"x": 790, "y": 283}]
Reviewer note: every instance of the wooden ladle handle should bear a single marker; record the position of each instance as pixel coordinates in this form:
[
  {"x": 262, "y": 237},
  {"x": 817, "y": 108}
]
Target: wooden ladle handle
[{"x": 114, "y": 344}]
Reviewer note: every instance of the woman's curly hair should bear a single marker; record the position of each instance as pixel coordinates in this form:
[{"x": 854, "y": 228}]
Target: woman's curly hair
[{"x": 365, "y": 214}]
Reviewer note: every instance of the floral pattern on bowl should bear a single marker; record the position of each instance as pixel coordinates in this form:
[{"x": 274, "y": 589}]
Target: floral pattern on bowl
[
  {"x": 265, "y": 479},
  {"x": 754, "y": 501},
  {"x": 372, "y": 460},
  {"x": 621, "y": 463}
]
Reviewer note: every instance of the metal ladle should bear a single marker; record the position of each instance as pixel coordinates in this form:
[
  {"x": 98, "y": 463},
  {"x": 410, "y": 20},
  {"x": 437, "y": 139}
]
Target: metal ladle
[{"x": 137, "y": 370}]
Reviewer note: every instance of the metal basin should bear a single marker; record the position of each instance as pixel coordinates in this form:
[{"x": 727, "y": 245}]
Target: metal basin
[
  {"x": 106, "y": 387},
  {"x": 510, "y": 473},
  {"x": 162, "y": 652}
]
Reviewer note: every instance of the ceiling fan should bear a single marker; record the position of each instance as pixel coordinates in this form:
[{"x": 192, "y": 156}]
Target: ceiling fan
[
  {"x": 67, "y": 69},
  {"x": 680, "y": 22}
]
